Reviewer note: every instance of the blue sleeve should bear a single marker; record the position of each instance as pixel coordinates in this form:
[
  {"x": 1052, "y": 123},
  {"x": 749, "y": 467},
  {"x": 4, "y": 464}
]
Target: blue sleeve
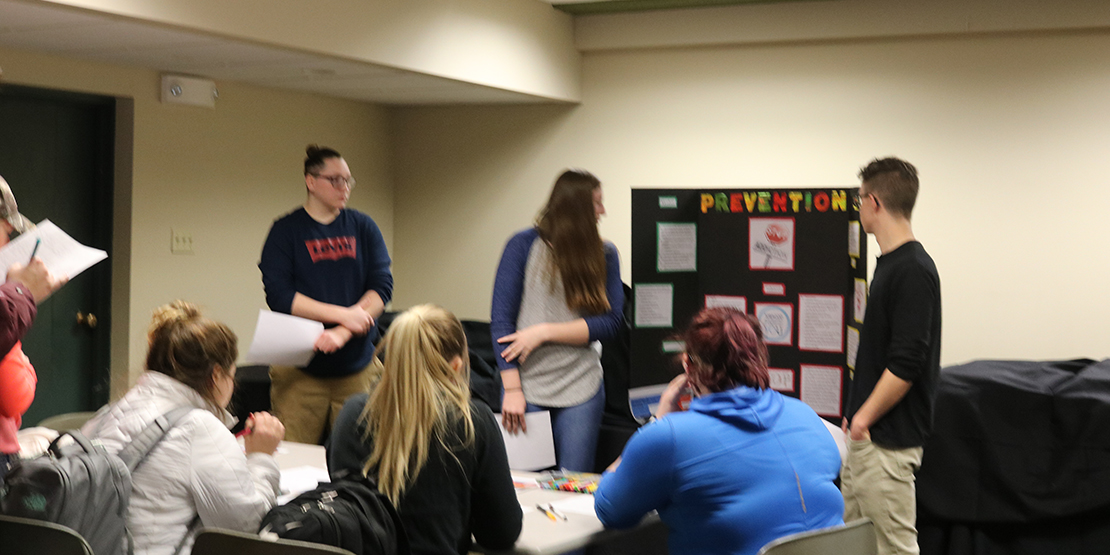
[
  {"x": 277, "y": 269},
  {"x": 378, "y": 276},
  {"x": 643, "y": 482},
  {"x": 508, "y": 288},
  {"x": 606, "y": 326}
]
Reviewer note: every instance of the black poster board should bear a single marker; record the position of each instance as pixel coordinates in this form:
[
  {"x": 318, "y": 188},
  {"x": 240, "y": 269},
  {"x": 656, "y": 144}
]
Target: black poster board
[{"x": 795, "y": 258}]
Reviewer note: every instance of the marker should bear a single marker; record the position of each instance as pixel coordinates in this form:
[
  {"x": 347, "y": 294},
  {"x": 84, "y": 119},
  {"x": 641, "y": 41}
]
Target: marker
[
  {"x": 545, "y": 511},
  {"x": 556, "y": 512},
  {"x": 38, "y": 242}
]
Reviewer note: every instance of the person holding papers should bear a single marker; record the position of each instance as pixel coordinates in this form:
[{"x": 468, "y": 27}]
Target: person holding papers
[
  {"x": 743, "y": 466},
  {"x": 25, "y": 286},
  {"x": 198, "y": 470},
  {"x": 435, "y": 451},
  {"x": 327, "y": 263},
  {"x": 556, "y": 295}
]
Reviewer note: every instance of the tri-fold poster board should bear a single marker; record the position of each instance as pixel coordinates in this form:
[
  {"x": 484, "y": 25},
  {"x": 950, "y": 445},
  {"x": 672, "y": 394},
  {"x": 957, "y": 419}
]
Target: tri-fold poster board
[{"x": 794, "y": 258}]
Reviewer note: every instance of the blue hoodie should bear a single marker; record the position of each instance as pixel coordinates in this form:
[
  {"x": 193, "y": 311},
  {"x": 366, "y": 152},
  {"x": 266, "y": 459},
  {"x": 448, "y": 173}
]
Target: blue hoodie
[{"x": 741, "y": 468}]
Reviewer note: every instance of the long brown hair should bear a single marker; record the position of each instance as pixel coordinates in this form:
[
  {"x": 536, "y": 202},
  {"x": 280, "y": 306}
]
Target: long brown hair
[
  {"x": 418, "y": 395},
  {"x": 190, "y": 348},
  {"x": 568, "y": 224}
]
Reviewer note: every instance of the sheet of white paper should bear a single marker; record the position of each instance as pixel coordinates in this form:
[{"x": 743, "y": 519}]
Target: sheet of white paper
[
  {"x": 771, "y": 243},
  {"x": 728, "y": 301},
  {"x": 782, "y": 379},
  {"x": 61, "y": 254},
  {"x": 581, "y": 504},
  {"x": 654, "y": 305},
  {"x": 859, "y": 302},
  {"x": 533, "y": 450},
  {"x": 853, "y": 239},
  {"x": 677, "y": 247},
  {"x": 777, "y": 321},
  {"x": 283, "y": 339},
  {"x": 853, "y": 346},
  {"x": 821, "y": 323},
  {"x": 297, "y": 480},
  {"x": 821, "y": 389}
]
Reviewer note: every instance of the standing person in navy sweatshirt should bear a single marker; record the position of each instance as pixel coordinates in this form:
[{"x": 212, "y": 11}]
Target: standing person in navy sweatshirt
[
  {"x": 889, "y": 412},
  {"x": 557, "y": 293},
  {"x": 327, "y": 263}
]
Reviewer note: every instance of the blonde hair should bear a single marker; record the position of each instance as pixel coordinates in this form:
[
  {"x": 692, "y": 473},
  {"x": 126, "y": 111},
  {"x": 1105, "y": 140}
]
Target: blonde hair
[
  {"x": 189, "y": 347},
  {"x": 418, "y": 396}
]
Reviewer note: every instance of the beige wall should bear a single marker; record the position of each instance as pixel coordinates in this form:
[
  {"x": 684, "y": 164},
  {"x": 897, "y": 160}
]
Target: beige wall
[
  {"x": 1010, "y": 134},
  {"x": 222, "y": 174}
]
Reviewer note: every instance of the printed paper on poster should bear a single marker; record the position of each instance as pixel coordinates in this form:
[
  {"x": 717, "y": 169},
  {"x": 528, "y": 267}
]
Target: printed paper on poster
[
  {"x": 853, "y": 346},
  {"x": 771, "y": 243},
  {"x": 821, "y": 323},
  {"x": 782, "y": 379},
  {"x": 654, "y": 305},
  {"x": 677, "y": 247},
  {"x": 739, "y": 303},
  {"x": 821, "y": 387},
  {"x": 859, "y": 304},
  {"x": 777, "y": 321},
  {"x": 853, "y": 239}
]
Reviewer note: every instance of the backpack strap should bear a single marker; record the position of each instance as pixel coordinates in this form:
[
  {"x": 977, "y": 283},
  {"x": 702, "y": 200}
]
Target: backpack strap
[{"x": 133, "y": 454}]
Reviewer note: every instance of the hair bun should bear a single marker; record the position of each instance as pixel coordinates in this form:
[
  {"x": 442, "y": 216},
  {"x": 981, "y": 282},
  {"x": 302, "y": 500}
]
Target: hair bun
[
  {"x": 312, "y": 150},
  {"x": 176, "y": 311}
]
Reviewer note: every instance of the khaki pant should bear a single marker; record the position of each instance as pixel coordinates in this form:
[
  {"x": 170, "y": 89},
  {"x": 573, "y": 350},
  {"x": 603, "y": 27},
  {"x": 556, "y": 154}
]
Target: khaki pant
[
  {"x": 308, "y": 405},
  {"x": 878, "y": 484}
]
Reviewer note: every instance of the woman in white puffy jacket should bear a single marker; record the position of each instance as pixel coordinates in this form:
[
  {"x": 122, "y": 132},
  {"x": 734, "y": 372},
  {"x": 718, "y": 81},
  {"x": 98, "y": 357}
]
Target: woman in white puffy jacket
[{"x": 198, "y": 469}]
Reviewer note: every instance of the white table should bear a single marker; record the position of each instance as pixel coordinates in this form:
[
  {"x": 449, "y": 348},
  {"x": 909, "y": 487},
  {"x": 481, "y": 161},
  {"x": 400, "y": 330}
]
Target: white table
[{"x": 539, "y": 535}]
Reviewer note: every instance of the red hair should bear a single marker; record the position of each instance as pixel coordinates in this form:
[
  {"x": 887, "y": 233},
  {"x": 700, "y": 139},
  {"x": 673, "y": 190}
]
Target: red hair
[{"x": 726, "y": 350}]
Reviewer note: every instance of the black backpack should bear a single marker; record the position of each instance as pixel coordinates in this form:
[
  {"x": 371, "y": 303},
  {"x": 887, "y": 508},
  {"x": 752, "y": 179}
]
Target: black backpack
[
  {"x": 82, "y": 486},
  {"x": 349, "y": 513}
]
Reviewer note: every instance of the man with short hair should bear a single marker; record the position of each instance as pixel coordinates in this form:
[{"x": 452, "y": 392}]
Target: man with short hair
[
  {"x": 889, "y": 412},
  {"x": 328, "y": 263}
]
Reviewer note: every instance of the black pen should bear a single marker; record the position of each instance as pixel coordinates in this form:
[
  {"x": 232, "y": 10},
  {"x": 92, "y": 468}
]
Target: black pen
[{"x": 36, "y": 249}]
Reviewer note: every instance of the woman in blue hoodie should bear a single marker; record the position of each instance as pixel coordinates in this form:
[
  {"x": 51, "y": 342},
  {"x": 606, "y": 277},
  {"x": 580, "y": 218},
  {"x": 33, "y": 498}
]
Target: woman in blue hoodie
[{"x": 743, "y": 466}]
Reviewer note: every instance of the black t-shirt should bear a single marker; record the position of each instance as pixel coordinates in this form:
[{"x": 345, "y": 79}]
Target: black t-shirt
[
  {"x": 901, "y": 333},
  {"x": 451, "y": 497}
]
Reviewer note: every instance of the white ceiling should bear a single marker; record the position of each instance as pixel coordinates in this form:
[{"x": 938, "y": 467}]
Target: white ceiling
[{"x": 83, "y": 35}]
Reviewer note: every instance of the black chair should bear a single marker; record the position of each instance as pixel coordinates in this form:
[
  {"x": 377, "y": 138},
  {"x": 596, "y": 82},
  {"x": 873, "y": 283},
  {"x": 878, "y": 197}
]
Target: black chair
[
  {"x": 213, "y": 541},
  {"x": 24, "y": 536}
]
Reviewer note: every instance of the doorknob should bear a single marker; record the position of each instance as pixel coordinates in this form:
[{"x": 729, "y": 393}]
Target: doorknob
[{"x": 87, "y": 319}]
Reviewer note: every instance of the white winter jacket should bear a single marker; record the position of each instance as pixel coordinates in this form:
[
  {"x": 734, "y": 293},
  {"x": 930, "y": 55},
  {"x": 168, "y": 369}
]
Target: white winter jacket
[{"x": 198, "y": 468}]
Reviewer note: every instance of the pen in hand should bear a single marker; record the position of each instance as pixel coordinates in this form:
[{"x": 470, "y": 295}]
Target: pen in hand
[{"x": 35, "y": 250}]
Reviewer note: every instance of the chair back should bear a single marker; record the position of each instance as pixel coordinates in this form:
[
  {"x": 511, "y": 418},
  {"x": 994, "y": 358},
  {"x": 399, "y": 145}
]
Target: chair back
[
  {"x": 25, "y": 536},
  {"x": 213, "y": 541},
  {"x": 67, "y": 421},
  {"x": 854, "y": 538}
]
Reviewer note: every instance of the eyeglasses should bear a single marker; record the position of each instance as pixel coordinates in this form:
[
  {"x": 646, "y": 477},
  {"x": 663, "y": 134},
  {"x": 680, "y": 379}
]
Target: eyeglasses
[
  {"x": 337, "y": 181},
  {"x": 857, "y": 199}
]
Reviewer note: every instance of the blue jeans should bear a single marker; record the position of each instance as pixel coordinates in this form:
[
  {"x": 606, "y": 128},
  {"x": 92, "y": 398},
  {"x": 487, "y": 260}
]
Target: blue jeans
[{"x": 575, "y": 431}]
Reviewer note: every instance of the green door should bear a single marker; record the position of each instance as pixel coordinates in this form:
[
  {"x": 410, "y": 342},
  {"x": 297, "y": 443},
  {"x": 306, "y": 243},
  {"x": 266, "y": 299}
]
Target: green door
[{"x": 56, "y": 152}]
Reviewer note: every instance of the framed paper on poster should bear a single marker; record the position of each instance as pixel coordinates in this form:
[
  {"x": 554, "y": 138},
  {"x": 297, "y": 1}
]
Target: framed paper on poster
[
  {"x": 771, "y": 244},
  {"x": 782, "y": 379},
  {"x": 821, "y": 323},
  {"x": 777, "y": 321},
  {"x": 734, "y": 301},
  {"x": 821, "y": 387}
]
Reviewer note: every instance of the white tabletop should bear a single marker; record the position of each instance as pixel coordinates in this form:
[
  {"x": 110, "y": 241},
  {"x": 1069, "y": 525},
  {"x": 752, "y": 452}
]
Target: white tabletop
[{"x": 539, "y": 535}]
